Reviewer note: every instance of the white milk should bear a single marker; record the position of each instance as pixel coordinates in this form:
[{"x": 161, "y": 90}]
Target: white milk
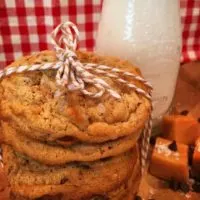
[{"x": 147, "y": 33}]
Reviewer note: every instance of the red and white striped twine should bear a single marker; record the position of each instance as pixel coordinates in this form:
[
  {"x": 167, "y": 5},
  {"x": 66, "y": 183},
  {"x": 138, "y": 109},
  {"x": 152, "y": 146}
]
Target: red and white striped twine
[{"x": 74, "y": 75}]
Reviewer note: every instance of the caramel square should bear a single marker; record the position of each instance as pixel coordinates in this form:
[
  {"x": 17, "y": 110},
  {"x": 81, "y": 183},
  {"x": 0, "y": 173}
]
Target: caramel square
[{"x": 169, "y": 164}]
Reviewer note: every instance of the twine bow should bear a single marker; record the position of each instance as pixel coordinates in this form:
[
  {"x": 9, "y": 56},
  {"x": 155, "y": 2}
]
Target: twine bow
[{"x": 74, "y": 75}]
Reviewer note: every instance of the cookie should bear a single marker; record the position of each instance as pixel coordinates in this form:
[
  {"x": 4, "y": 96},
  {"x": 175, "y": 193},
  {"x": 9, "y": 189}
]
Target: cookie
[
  {"x": 126, "y": 191},
  {"x": 29, "y": 101},
  {"x": 31, "y": 179},
  {"x": 57, "y": 155}
]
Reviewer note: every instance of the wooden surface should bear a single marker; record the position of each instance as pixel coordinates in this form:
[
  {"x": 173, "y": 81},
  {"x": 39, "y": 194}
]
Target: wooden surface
[
  {"x": 187, "y": 97},
  {"x": 156, "y": 189}
]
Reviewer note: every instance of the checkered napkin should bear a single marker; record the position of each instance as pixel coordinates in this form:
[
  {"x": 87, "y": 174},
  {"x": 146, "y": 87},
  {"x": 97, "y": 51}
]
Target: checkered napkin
[
  {"x": 25, "y": 25},
  {"x": 190, "y": 13}
]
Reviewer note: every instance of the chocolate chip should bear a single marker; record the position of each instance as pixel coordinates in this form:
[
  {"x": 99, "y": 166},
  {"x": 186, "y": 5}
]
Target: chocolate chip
[
  {"x": 105, "y": 159},
  {"x": 84, "y": 166},
  {"x": 102, "y": 150},
  {"x": 184, "y": 112},
  {"x": 173, "y": 146},
  {"x": 26, "y": 161},
  {"x": 110, "y": 147},
  {"x": 64, "y": 180},
  {"x": 190, "y": 154},
  {"x": 184, "y": 187},
  {"x": 174, "y": 185},
  {"x": 196, "y": 187},
  {"x": 100, "y": 197},
  {"x": 138, "y": 198},
  {"x": 37, "y": 63},
  {"x": 153, "y": 140},
  {"x": 45, "y": 59},
  {"x": 198, "y": 119}
]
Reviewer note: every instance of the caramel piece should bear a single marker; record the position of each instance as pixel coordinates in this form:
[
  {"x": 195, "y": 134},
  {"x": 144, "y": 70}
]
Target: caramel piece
[
  {"x": 196, "y": 159},
  {"x": 168, "y": 164},
  {"x": 183, "y": 129}
]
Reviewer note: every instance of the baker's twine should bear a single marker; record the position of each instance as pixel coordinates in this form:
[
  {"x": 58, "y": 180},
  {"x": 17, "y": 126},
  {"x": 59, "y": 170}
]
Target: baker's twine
[{"x": 74, "y": 75}]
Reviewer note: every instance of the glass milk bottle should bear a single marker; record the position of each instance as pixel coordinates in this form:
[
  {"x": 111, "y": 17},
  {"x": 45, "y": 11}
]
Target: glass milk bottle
[{"x": 147, "y": 33}]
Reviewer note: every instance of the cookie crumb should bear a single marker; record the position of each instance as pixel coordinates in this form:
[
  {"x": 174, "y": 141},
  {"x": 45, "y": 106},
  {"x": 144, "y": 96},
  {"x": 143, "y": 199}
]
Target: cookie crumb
[{"x": 64, "y": 180}]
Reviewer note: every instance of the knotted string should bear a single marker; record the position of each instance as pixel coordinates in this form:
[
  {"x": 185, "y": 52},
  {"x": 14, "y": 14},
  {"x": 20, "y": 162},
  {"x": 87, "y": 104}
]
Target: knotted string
[{"x": 74, "y": 75}]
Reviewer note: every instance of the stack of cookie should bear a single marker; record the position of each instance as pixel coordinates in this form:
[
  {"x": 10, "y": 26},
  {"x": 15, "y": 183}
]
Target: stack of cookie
[{"x": 64, "y": 145}]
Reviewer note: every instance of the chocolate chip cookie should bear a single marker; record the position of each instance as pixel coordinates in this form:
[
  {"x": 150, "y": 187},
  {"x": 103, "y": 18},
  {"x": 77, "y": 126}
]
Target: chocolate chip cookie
[
  {"x": 57, "y": 155},
  {"x": 30, "y": 103},
  {"x": 31, "y": 179}
]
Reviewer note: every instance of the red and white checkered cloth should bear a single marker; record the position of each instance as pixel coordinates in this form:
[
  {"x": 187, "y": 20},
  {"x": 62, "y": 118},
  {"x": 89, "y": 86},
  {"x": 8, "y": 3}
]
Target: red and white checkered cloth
[
  {"x": 190, "y": 13},
  {"x": 25, "y": 25}
]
